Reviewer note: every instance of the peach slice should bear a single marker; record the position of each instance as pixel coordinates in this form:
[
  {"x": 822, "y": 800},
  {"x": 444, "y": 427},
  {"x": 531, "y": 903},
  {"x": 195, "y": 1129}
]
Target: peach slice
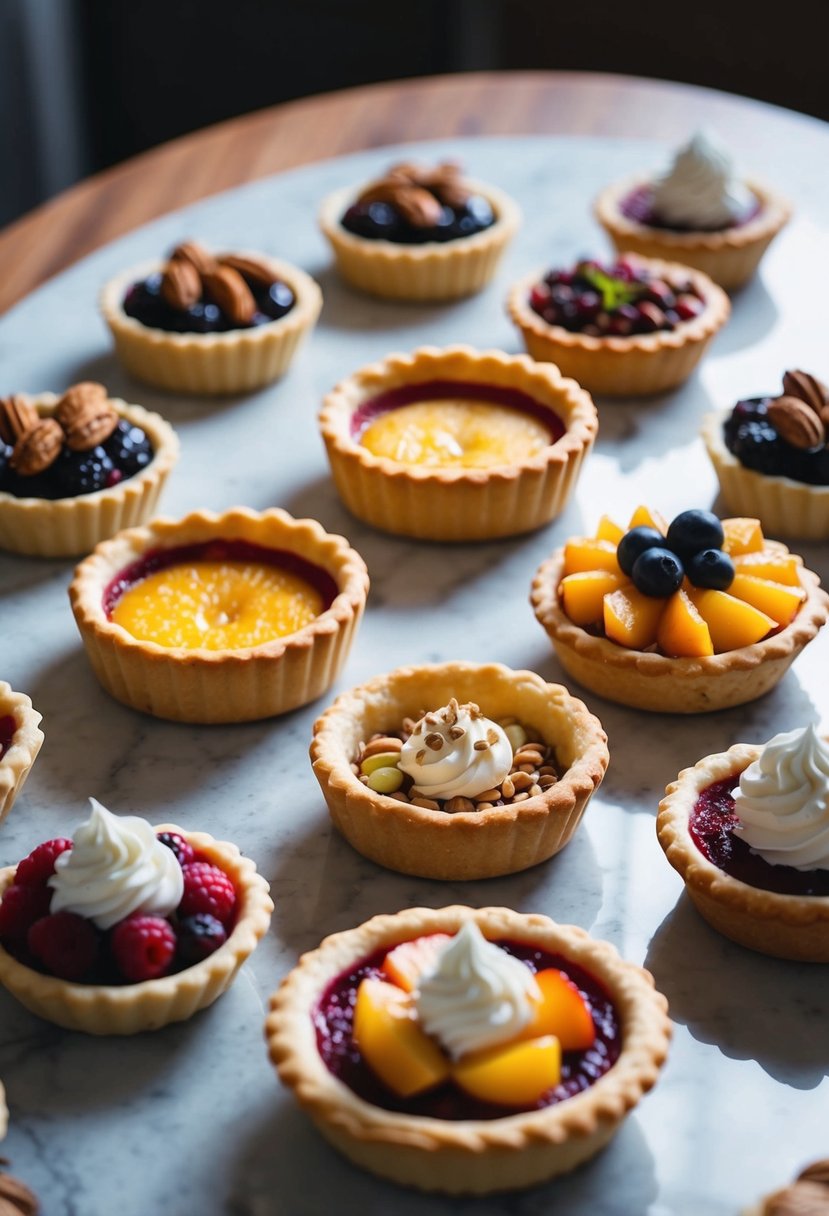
[
  {"x": 732, "y": 622},
  {"x": 631, "y": 618},
  {"x": 584, "y": 553},
  {"x": 770, "y": 564},
  {"x": 742, "y": 536},
  {"x": 644, "y": 517},
  {"x": 582, "y": 594},
  {"x": 682, "y": 633},
  {"x": 405, "y": 964},
  {"x": 608, "y": 529},
  {"x": 775, "y": 599},
  {"x": 513, "y": 1075},
  {"x": 392, "y": 1043},
  {"x": 562, "y": 1011}
]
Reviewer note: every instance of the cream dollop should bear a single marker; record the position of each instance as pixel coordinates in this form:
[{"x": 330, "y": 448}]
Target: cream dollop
[
  {"x": 456, "y": 752},
  {"x": 783, "y": 801},
  {"x": 116, "y": 867},
  {"x": 476, "y": 995},
  {"x": 700, "y": 189}
]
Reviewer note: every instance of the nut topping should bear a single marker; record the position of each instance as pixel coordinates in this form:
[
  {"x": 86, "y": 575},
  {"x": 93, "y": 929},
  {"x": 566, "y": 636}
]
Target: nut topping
[
  {"x": 197, "y": 255},
  {"x": 86, "y": 415},
  {"x": 229, "y": 290},
  {"x": 15, "y": 1197},
  {"x": 36, "y": 449},
  {"x": 796, "y": 422},
  {"x": 801, "y": 1199},
  {"x": 181, "y": 284},
  {"x": 808, "y": 388},
  {"x": 16, "y": 417},
  {"x": 258, "y": 270},
  {"x": 416, "y": 206},
  {"x": 818, "y": 1171}
]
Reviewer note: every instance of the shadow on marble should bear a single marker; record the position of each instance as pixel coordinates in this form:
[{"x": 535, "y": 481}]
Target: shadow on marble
[
  {"x": 639, "y": 434},
  {"x": 19, "y": 573},
  {"x": 349, "y": 310},
  {"x": 752, "y": 1007},
  {"x": 754, "y": 315}
]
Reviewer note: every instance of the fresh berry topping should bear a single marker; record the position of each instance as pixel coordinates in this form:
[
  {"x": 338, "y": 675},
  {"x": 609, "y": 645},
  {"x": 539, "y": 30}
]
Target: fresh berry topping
[
  {"x": 711, "y": 568},
  {"x": 635, "y": 542},
  {"x": 207, "y": 889},
  {"x": 693, "y": 531},
  {"x": 143, "y": 947},
  {"x": 129, "y": 449},
  {"x": 378, "y": 221},
  {"x": 657, "y": 572},
  {"x": 66, "y": 944},
  {"x": 199, "y": 936},
  {"x": 184, "y": 851},
  {"x": 20, "y": 908},
  {"x": 751, "y": 436},
  {"x": 145, "y": 302},
  {"x": 34, "y": 870},
  {"x": 76, "y": 473}
]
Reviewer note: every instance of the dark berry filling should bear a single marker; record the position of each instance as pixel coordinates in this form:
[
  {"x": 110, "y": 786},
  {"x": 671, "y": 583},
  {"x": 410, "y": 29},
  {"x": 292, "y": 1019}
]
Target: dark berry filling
[
  {"x": 750, "y": 437},
  {"x": 8, "y": 727},
  {"x": 145, "y": 303},
  {"x": 333, "y": 1020},
  {"x": 712, "y": 825},
  {"x": 375, "y": 221},
  {"x": 639, "y": 207},
  {"x": 127, "y": 451}
]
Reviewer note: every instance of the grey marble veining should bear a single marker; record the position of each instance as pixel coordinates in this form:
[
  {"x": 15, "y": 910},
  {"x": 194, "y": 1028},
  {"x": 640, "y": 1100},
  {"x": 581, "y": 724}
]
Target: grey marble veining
[{"x": 191, "y": 1119}]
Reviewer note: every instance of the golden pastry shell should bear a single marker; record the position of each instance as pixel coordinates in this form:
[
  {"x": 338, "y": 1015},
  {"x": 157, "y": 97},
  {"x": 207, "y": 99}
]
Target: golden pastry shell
[{"x": 17, "y": 761}]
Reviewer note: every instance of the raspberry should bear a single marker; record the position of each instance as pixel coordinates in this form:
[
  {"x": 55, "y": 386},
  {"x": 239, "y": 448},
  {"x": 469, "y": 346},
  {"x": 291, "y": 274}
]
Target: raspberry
[
  {"x": 34, "y": 870},
  {"x": 207, "y": 889},
  {"x": 199, "y": 936},
  {"x": 184, "y": 851},
  {"x": 143, "y": 946},
  {"x": 66, "y": 944},
  {"x": 20, "y": 908}
]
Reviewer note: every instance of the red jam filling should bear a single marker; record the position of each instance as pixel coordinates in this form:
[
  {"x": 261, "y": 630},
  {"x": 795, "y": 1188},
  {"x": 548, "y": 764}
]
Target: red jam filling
[
  {"x": 8, "y": 727},
  {"x": 333, "y": 1020},
  {"x": 638, "y": 206},
  {"x": 712, "y": 825}
]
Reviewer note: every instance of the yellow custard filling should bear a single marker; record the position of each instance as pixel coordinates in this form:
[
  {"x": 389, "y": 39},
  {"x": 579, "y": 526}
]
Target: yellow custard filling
[
  {"x": 455, "y": 433},
  {"x": 217, "y": 605}
]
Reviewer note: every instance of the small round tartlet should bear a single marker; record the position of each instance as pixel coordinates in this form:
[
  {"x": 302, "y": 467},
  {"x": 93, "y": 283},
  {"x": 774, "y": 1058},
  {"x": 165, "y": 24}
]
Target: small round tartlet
[
  {"x": 455, "y": 503},
  {"x": 20, "y": 741},
  {"x": 782, "y": 925},
  {"x": 196, "y": 684},
  {"x": 104, "y": 1009},
  {"x": 461, "y": 844},
  {"x": 478, "y": 1156},
  {"x": 67, "y": 527},
  {"x": 622, "y": 366}
]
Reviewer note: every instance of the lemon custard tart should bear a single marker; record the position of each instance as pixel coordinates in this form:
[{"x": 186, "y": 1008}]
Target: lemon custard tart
[
  {"x": 456, "y": 444},
  {"x": 220, "y": 618},
  {"x": 20, "y": 741}
]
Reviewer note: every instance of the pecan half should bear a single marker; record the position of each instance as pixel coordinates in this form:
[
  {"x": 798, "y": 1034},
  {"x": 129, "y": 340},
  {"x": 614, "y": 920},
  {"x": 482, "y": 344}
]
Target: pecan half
[
  {"x": 15, "y": 1197},
  {"x": 229, "y": 290},
  {"x": 446, "y": 182},
  {"x": 197, "y": 255},
  {"x": 87, "y": 416},
  {"x": 801, "y": 1199},
  {"x": 796, "y": 422},
  {"x": 808, "y": 388},
  {"x": 818, "y": 1171},
  {"x": 180, "y": 284},
  {"x": 38, "y": 448},
  {"x": 258, "y": 270},
  {"x": 16, "y": 417}
]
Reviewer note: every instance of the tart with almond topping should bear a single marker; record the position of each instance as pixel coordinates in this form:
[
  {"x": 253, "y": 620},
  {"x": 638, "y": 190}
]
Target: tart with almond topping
[
  {"x": 220, "y": 618},
  {"x": 210, "y": 323},
  {"x": 419, "y": 233},
  {"x": 20, "y": 741},
  {"x": 585, "y": 1040},
  {"x": 457, "y": 444}
]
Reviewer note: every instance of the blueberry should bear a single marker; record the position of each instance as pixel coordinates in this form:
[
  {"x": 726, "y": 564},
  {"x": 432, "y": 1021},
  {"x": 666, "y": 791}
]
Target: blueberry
[
  {"x": 711, "y": 568},
  {"x": 198, "y": 936},
  {"x": 635, "y": 542},
  {"x": 128, "y": 448},
  {"x": 694, "y": 530},
  {"x": 657, "y": 572},
  {"x": 5, "y": 457}
]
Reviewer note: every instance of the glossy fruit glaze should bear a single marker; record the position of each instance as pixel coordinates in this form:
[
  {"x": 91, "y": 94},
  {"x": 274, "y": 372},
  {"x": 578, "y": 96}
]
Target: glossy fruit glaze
[
  {"x": 144, "y": 302},
  {"x": 8, "y": 726},
  {"x": 638, "y": 206}
]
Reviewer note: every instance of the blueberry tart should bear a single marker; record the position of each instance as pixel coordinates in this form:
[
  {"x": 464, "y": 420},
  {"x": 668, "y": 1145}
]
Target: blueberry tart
[{"x": 20, "y": 742}]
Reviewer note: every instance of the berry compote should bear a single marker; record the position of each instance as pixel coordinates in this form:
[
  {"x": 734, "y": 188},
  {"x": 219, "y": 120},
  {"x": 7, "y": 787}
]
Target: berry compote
[
  {"x": 145, "y": 303},
  {"x": 751, "y": 437}
]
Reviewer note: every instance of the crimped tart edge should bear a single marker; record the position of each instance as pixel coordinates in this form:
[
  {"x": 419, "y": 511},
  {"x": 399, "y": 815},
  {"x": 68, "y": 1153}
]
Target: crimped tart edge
[{"x": 27, "y": 740}]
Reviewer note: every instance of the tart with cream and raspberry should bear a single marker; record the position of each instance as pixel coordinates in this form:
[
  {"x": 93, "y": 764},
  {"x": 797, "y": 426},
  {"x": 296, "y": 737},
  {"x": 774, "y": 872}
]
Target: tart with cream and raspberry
[
  {"x": 20, "y": 741},
  {"x": 635, "y": 326},
  {"x": 493, "y": 779},
  {"x": 771, "y": 455},
  {"x": 701, "y": 615},
  {"x": 126, "y": 927},
  {"x": 748, "y": 831},
  {"x": 209, "y": 323},
  {"x": 76, "y": 468},
  {"x": 698, "y": 212},
  {"x": 457, "y": 444},
  {"x": 419, "y": 232},
  {"x": 467, "y": 1051},
  {"x": 220, "y": 618}
]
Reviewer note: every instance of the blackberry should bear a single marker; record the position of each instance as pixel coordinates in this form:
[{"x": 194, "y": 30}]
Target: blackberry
[
  {"x": 753, "y": 409},
  {"x": 5, "y": 457},
  {"x": 128, "y": 448},
  {"x": 199, "y": 936},
  {"x": 757, "y": 446},
  {"x": 75, "y": 473}
]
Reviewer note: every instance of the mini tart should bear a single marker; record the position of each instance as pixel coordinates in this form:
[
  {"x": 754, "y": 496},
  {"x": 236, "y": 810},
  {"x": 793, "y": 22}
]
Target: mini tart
[
  {"x": 458, "y": 504},
  {"x": 619, "y": 366},
  {"x": 784, "y": 507},
  {"x": 131, "y": 1008},
  {"x": 461, "y": 845},
  {"x": 240, "y": 685},
  {"x": 646, "y": 680},
  {"x": 233, "y": 362},
  {"x": 785, "y": 926},
  {"x": 66, "y": 527},
  {"x": 432, "y": 271},
  {"x": 480, "y": 1156},
  {"x": 729, "y": 256},
  {"x": 26, "y": 741}
]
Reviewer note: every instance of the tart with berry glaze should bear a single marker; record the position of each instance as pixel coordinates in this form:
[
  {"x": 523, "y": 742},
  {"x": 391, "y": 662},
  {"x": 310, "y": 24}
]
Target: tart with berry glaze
[
  {"x": 698, "y": 213},
  {"x": 703, "y": 615},
  {"x": 457, "y": 444},
  {"x": 210, "y": 323},
  {"x": 748, "y": 831},
  {"x": 76, "y": 468},
  {"x": 220, "y": 618},
  {"x": 771, "y": 456},
  {"x": 419, "y": 233},
  {"x": 493, "y": 779},
  {"x": 637, "y": 326},
  {"x": 126, "y": 927},
  {"x": 371, "y": 1032},
  {"x": 20, "y": 741}
]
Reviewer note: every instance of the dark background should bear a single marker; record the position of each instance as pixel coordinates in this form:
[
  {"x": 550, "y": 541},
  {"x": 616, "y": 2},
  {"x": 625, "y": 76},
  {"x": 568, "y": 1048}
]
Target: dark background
[{"x": 86, "y": 83}]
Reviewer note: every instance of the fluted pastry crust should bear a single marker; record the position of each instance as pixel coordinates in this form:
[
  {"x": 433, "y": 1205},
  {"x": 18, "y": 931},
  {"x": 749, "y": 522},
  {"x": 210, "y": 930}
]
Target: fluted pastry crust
[{"x": 17, "y": 761}]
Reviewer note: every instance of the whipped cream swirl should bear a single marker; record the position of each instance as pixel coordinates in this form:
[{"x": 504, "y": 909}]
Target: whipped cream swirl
[
  {"x": 783, "y": 801},
  {"x": 456, "y": 752},
  {"x": 700, "y": 189},
  {"x": 116, "y": 867}
]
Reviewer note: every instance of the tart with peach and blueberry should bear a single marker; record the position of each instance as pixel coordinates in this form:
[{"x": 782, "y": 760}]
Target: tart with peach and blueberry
[
  {"x": 20, "y": 741},
  {"x": 701, "y": 615},
  {"x": 467, "y": 1051}
]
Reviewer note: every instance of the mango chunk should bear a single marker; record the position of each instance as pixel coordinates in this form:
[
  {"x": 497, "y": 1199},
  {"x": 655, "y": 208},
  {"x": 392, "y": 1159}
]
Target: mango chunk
[
  {"x": 405, "y": 963},
  {"x": 682, "y": 632},
  {"x": 644, "y": 517},
  {"x": 582, "y": 594},
  {"x": 771, "y": 564},
  {"x": 515, "y": 1075},
  {"x": 584, "y": 553},
  {"x": 391, "y": 1041},
  {"x": 775, "y": 599},
  {"x": 731, "y": 622},
  {"x": 562, "y": 1011},
  {"x": 609, "y": 530},
  {"x": 742, "y": 536},
  {"x": 630, "y": 618}
]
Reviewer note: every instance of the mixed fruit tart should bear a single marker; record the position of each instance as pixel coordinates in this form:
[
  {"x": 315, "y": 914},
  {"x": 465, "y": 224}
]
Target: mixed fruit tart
[
  {"x": 419, "y": 232},
  {"x": 698, "y": 212},
  {"x": 633, "y": 326},
  {"x": 126, "y": 927},
  {"x": 493, "y": 778},
  {"x": 456, "y": 444},
  {"x": 20, "y": 741},
  {"x": 699, "y": 615},
  {"x": 748, "y": 830},
  {"x": 771, "y": 455},
  {"x": 76, "y": 468},
  {"x": 465, "y": 1050},
  {"x": 201, "y": 322},
  {"x": 220, "y": 618}
]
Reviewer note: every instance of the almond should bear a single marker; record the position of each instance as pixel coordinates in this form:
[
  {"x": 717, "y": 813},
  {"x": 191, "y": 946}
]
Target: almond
[
  {"x": 229, "y": 290},
  {"x": 258, "y": 270},
  {"x": 16, "y": 417},
  {"x": 417, "y": 206},
  {"x": 796, "y": 422},
  {"x": 180, "y": 284},
  {"x": 197, "y": 255},
  {"x": 808, "y": 388},
  {"x": 38, "y": 448}
]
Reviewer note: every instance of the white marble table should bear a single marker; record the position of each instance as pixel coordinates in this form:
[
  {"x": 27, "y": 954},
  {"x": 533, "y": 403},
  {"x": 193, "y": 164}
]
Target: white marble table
[{"x": 191, "y": 1119}]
